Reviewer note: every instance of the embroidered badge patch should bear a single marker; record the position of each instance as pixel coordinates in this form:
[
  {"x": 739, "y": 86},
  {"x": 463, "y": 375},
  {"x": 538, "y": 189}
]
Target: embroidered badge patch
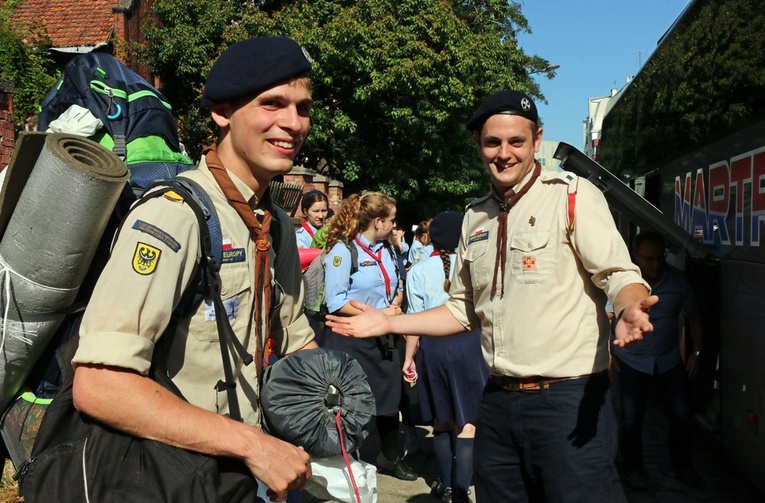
[
  {"x": 145, "y": 258},
  {"x": 367, "y": 263},
  {"x": 230, "y": 305},
  {"x": 337, "y": 261},
  {"x": 529, "y": 263},
  {"x": 480, "y": 236},
  {"x": 233, "y": 255},
  {"x": 156, "y": 232}
]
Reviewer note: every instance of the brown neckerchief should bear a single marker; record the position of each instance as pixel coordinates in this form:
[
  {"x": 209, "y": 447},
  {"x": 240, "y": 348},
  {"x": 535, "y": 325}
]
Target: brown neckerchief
[
  {"x": 259, "y": 233},
  {"x": 504, "y": 209}
]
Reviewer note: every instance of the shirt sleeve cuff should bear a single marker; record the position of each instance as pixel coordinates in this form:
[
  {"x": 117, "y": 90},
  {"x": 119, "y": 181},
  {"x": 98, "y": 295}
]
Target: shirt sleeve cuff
[
  {"x": 135, "y": 352},
  {"x": 292, "y": 338}
]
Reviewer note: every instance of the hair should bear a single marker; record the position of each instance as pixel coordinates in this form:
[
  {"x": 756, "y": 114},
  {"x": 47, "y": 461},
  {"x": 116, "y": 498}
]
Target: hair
[
  {"x": 309, "y": 198},
  {"x": 446, "y": 260},
  {"x": 423, "y": 228},
  {"x": 651, "y": 237},
  {"x": 355, "y": 215}
]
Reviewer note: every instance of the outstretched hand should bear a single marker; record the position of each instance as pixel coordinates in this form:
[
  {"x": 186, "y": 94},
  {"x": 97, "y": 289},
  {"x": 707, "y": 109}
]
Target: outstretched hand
[
  {"x": 634, "y": 322},
  {"x": 370, "y": 323}
]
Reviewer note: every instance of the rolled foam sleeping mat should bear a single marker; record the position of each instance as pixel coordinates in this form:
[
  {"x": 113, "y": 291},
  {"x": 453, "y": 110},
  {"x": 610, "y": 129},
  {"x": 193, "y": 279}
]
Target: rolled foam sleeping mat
[
  {"x": 302, "y": 393},
  {"x": 49, "y": 243}
]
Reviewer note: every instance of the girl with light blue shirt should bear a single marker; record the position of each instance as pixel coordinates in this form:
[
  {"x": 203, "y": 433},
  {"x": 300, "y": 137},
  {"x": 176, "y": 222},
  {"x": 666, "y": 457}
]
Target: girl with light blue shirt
[
  {"x": 315, "y": 206},
  {"x": 364, "y": 224},
  {"x": 451, "y": 370}
]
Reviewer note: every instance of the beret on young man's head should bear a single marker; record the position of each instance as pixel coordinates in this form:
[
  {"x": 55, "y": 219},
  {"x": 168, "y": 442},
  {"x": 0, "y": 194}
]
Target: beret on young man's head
[
  {"x": 251, "y": 66},
  {"x": 503, "y": 102}
]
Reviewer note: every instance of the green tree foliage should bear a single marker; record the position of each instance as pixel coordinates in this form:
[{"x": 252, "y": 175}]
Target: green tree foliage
[
  {"x": 24, "y": 60},
  {"x": 707, "y": 76},
  {"x": 393, "y": 82}
]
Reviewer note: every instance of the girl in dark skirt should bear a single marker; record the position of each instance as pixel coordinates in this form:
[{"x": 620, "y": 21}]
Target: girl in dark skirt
[
  {"x": 365, "y": 223},
  {"x": 451, "y": 370}
]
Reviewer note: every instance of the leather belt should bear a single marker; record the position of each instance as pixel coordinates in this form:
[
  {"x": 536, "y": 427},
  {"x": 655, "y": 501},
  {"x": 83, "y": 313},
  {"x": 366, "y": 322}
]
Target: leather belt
[{"x": 533, "y": 383}]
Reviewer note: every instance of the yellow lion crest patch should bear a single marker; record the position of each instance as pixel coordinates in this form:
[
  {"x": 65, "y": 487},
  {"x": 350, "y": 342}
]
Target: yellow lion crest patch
[
  {"x": 337, "y": 261},
  {"x": 145, "y": 258}
]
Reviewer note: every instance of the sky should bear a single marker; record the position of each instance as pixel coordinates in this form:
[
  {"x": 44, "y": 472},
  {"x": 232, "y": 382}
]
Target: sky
[{"x": 598, "y": 45}]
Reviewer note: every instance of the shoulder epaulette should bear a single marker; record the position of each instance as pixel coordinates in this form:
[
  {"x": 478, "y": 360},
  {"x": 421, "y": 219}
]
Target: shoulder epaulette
[
  {"x": 559, "y": 176},
  {"x": 173, "y": 196},
  {"x": 477, "y": 201}
]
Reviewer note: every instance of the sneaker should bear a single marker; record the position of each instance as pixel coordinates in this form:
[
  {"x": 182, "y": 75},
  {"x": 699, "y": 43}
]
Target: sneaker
[
  {"x": 439, "y": 491},
  {"x": 635, "y": 480},
  {"x": 395, "y": 468},
  {"x": 692, "y": 478}
]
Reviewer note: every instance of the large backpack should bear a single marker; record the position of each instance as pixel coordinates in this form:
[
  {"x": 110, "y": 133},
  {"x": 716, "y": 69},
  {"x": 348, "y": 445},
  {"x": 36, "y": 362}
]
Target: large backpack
[
  {"x": 19, "y": 423},
  {"x": 314, "y": 303},
  {"x": 139, "y": 126}
]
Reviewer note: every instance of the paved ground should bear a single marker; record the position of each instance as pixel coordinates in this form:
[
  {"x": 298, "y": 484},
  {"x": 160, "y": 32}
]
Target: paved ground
[{"x": 724, "y": 484}]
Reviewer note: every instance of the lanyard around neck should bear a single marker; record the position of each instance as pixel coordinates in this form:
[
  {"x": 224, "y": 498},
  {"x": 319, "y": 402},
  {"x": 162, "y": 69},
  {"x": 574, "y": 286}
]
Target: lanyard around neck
[{"x": 378, "y": 258}]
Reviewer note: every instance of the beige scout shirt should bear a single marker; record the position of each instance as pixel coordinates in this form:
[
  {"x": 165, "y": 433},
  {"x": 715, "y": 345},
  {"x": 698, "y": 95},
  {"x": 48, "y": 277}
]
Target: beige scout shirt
[
  {"x": 129, "y": 311},
  {"x": 551, "y": 320}
]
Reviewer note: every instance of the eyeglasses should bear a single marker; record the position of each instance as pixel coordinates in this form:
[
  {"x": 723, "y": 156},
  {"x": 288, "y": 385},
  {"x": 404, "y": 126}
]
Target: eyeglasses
[{"x": 655, "y": 258}]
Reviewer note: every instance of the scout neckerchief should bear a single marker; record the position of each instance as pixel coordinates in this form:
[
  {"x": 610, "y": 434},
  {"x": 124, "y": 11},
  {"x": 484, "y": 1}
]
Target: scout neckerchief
[
  {"x": 259, "y": 234},
  {"x": 377, "y": 258},
  {"x": 308, "y": 228},
  {"x": 504, "y": 209}
]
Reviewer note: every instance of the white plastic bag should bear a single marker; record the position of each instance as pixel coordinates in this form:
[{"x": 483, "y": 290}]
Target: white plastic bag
[{"x": 331, "y": 480}]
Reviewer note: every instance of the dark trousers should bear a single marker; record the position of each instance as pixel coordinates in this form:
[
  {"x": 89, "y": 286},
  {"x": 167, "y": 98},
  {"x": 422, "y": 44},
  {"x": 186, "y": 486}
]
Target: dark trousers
[
  {"x": 673, "y": 392},
  {"x": 553, "y": 445}
]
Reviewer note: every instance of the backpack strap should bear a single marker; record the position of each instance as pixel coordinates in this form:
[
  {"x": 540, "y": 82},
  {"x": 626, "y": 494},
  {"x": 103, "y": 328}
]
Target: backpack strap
[{"x": 207, "y": 284}]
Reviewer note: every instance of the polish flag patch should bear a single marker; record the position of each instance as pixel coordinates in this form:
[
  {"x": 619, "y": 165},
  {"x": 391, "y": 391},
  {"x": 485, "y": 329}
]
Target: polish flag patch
[{"x": 226, "y": 243}]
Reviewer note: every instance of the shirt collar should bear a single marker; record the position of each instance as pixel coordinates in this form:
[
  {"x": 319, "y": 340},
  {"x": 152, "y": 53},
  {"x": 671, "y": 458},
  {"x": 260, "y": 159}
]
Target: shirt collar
[{"x": 247, "y": 193}]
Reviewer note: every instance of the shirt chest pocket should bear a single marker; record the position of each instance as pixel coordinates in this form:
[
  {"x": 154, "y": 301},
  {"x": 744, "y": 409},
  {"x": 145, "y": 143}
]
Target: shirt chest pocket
[
  {"x": 481, "y": 266},
  {"x": 235, "y": 294},
  {"x": 531, "y": 257}
]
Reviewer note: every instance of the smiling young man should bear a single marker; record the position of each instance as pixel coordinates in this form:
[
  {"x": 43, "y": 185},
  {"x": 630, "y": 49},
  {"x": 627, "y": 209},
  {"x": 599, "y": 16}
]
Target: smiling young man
[
  {"x": 259, "y": 94},
  {"x": 535, "y": 258}
]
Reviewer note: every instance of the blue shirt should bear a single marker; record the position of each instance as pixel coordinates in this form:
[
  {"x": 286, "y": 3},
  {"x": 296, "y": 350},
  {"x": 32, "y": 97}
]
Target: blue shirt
[
  {"x": 303, "y": 237},
  {"x": 661, "y": 348},
  {"x": 425, "y": 284},
  {"x": 366, "y": 284},
  {"x": 418, "y": 251}
]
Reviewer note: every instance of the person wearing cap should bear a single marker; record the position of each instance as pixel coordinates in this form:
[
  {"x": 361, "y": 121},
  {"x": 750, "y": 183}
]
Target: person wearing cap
[
  {"x": 315, "y": 206},
  {"x": 450, "y": 371},
  {"x": 259, "y": 96},
  {"x": 538, "y": 258}
]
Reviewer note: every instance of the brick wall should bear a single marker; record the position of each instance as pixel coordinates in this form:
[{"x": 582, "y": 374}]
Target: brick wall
[
  {"x": 311, "y": 180},
  {"x": 7, "y": 130}
]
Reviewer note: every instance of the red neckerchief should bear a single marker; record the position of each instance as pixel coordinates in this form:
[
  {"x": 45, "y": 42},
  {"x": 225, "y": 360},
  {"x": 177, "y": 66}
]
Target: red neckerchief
[
  {"x": 378, "y": 258},
  {"x": 308, "y": 228}
]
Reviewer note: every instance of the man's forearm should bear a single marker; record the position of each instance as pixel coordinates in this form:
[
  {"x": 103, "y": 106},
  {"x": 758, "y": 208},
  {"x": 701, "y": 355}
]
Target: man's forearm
[
  {"x": 634, "y": 292},
  {"x": 436, "y": 322},
  {"x": 139, "y": 406}
]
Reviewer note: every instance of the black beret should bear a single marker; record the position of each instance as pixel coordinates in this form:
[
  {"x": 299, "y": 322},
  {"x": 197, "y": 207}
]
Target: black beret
[
  {"x": 504, "y": 102},
  {"x": 445, "y": 230},
  {"x": 254, "y": 65}
]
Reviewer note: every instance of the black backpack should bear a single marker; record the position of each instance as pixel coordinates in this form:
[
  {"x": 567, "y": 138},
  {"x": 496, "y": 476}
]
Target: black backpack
[{"x": 139, "y": 126}]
